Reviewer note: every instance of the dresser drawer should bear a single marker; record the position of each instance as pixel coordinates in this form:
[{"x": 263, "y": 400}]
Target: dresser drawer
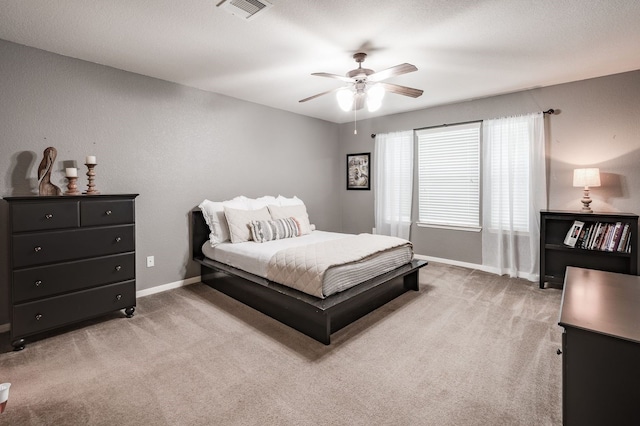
[
  {"x": 34, "y": 317},
  {"x": 44, "y": 215},
  {"x": 44, "y": 281},
  {"x": 106, "y": 212},
  {"x": 56, "y": 246}
]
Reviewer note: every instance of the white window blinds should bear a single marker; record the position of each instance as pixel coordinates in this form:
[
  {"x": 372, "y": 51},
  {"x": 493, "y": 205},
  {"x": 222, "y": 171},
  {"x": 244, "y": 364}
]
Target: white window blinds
[{"x": 449, "y": 176}]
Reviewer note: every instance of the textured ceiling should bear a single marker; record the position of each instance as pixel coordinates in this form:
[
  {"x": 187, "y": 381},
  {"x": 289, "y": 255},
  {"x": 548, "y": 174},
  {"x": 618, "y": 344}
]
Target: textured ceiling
[{"x": 463, "y": 49}]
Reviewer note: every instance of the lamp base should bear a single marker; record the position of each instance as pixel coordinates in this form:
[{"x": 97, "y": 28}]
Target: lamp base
[
  {"x": 586, "y": 209},
  {"x": 586, "y": 200}
]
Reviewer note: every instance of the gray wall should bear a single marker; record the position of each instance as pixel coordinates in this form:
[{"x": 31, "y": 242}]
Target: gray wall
[
  {"x": 171, "y": 144},
  {"x": 597, "y": 125},
  {"x": 176, "y": 145}
]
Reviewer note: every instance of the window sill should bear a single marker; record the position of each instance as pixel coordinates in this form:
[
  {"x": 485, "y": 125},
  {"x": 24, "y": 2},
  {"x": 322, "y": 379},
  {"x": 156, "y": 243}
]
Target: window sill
[
  {"x": 450, "y": 227},
  {"x": 516, "y": 232}
]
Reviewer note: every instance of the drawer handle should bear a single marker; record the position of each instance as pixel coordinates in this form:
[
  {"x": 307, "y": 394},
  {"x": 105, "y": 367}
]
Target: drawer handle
[
  {"x": 559, "y": 352},
  {"x": 118, "y": 268},
  {"x": 38, "y": 317},
  {"x": 48, "y": 216},
  {"x": 118, "y": 296},
  {"x": 37, "y": 249},
  {"x": 108, "y": 212},
  {"x": 37, "y": 283},
  {"x": 118, "y": 239}
]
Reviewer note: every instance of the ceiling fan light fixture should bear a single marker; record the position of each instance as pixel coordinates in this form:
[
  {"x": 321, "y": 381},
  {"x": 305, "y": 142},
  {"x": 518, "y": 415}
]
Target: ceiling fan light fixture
[
  {"x": 364, "y": 87},
  {"x": 375, "y": 94},
  {"x": 345, "y": 99}
]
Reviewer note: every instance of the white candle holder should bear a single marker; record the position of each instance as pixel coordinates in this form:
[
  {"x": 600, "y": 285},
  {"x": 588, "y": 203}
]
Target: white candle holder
[
  {"x": 91, "y": 174},
  {"x": 72, "y": 188}
]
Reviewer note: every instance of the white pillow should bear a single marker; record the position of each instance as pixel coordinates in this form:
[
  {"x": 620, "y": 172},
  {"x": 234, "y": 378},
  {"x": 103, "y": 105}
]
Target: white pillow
[
  {"x": 258, "y": 203},
  {"x": 298, "y": 211},
  {"x": 213, "y": 213},
  {"x": 284, "y": 201},
  {"x": 239, "y": 220}
]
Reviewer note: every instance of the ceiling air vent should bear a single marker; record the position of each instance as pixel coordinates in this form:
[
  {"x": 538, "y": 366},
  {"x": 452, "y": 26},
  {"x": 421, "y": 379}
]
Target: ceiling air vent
[{"x": 245, "y": 9}]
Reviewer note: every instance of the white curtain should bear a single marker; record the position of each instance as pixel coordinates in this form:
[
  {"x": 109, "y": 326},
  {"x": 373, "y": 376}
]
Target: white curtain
[
  {"x": 393, "y": 183},
  {"x": 514, "y": 191}
]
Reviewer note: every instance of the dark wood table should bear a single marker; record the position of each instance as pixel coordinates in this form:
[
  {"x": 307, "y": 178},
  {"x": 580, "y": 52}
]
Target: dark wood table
[{"x": 600, "y": 348}]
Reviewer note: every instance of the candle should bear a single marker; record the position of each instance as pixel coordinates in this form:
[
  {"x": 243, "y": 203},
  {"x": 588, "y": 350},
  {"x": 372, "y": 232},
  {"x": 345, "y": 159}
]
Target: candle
[
  {"x": 71, "y": 172},
  {"x": 91, "y": 159}
]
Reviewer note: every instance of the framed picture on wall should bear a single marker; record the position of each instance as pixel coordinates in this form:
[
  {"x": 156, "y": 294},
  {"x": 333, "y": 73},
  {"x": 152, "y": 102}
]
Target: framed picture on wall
[{"x": 359, "y": 171}]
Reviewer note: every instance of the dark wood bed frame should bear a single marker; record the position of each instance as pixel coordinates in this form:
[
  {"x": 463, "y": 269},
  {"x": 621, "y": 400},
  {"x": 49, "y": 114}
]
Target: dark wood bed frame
[{"x": 317, "y": 318}]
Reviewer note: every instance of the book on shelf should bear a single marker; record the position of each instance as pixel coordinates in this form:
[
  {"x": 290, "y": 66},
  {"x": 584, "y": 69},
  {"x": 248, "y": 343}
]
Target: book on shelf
[
  {"x": 616, "y": 233},
  {"x": 587, "y": 236},
  {"x": 597, "y": 236},
  {"x": 573, "y": 233},
  {"x": 588, "y": 229},
  {"x": 613, "y": 237},
  {"x": 581, "y": 237},
  {"x": 627, "y": 245},
  {"x": 625, "y": 240},
  {"x": 606, "y": 236}
]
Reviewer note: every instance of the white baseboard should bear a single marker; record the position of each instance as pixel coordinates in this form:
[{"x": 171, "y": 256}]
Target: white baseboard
[
  {"x": 169, "y": 286},
  {"x": 455, "y": 263},
  {"x": 4, "y": 328},
  {"x": 524, "y": 275}
]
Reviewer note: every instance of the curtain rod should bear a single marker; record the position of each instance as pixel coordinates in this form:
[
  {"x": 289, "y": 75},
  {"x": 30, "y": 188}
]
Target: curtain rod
[{"x": 549, "y": 111}]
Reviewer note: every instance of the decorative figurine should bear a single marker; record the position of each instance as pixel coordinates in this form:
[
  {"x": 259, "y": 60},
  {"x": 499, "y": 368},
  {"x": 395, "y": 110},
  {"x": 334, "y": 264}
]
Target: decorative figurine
[{"x": 44, "y": 173}]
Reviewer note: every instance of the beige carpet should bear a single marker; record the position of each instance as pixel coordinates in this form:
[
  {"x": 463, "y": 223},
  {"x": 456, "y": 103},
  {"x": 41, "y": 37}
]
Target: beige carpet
[{"x": 469, "y": 349}]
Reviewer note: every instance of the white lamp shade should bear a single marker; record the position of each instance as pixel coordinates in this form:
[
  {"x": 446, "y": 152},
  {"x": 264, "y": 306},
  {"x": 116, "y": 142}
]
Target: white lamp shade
[
  {"x": 375, "y": 94},
  {"x": 586, "y": 177},
  {"x": 345, "y": 99}
]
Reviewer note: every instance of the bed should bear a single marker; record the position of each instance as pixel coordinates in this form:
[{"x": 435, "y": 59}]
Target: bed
[{"x": 316, "y": 317}]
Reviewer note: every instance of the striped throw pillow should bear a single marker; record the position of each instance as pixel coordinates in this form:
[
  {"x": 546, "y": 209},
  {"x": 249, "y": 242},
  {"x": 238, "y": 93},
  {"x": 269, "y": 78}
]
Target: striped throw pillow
[{"x": 269, "y": 230}]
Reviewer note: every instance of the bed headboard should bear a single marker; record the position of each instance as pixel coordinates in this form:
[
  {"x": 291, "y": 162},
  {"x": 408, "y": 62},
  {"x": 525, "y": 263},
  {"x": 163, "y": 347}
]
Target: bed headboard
[{"x": 199, "y": 233}]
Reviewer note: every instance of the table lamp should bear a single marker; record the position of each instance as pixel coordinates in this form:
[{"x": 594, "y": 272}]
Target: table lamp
[{"x": 586, "y": 178}]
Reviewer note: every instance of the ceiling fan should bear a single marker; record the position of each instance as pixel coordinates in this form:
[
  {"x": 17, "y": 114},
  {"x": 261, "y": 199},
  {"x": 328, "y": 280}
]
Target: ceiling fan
[{"x": 365, "y": 86}]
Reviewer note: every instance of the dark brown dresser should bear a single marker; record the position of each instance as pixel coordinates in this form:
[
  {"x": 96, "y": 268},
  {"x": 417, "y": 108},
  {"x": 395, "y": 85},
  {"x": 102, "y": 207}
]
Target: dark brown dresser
[
  {"x": 600, "y": 348},
  {"x": 72, "y": 258}
]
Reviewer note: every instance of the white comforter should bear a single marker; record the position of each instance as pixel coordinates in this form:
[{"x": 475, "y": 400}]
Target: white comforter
[
  {"x": 256, "y": 259},
  {"x": 303, "y": 268}
]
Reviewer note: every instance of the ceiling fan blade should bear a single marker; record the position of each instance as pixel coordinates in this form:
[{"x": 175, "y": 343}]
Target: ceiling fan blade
[
  {"x": 336, "y": 76},
  {"x": 392, "y": 72},
  {"x": 402, "y": 90},
  {"x": 320, "y": 94}
]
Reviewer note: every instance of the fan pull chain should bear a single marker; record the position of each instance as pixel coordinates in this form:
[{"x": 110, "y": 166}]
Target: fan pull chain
[{"x": 355, "y": 121}]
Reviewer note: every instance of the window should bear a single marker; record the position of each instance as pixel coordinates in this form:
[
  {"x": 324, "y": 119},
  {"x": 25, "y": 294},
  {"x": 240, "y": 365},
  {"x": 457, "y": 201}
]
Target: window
[{"x": 449, "y": 176}]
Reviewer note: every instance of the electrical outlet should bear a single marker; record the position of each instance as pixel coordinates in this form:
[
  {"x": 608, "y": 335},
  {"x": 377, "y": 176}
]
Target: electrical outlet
[{"x": 150, "y": 261}]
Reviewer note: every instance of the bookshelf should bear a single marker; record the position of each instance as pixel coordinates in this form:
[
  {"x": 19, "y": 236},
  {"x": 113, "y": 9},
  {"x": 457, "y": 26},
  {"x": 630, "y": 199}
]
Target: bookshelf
[{"x": 555, "y": 255}]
